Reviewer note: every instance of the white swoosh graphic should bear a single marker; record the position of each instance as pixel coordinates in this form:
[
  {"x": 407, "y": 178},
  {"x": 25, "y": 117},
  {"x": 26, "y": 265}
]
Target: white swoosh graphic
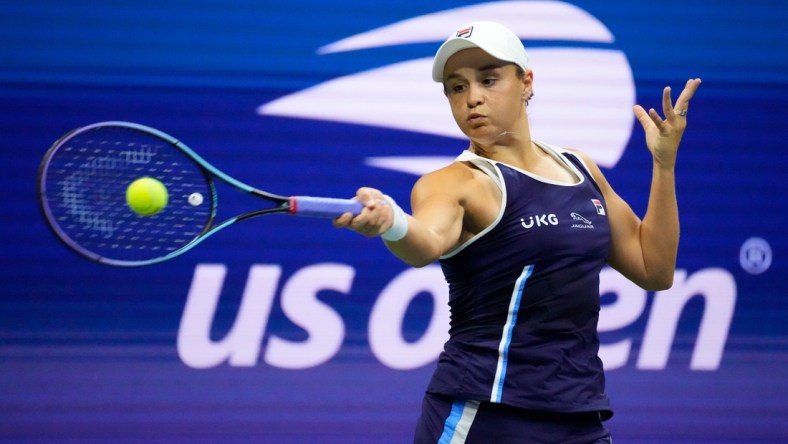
[
  {"x": 590, "y": 91},
  {"x": 537, "y": 20}
]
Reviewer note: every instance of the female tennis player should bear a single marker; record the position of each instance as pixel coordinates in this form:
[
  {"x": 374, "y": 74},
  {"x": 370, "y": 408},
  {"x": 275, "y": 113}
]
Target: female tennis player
[{"x": 522, "y": 229}]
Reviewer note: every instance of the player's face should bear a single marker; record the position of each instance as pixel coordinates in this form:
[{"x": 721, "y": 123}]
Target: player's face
[{"x": 485, "y": 94}]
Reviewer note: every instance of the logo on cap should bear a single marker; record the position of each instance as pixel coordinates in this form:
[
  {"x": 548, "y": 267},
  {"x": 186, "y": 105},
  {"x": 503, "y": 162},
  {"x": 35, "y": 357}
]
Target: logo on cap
[{"x": 465, "y": 32}]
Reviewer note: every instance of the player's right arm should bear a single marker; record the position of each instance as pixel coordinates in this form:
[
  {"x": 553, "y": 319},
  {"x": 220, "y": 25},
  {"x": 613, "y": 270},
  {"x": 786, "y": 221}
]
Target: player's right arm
[
  {"x": 434, "y": 227},
  {"x": 436, "y": 224}
]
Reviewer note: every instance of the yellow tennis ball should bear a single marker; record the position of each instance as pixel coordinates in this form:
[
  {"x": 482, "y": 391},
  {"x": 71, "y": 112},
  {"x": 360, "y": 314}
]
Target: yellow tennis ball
[{"x": 146, "y": 196}]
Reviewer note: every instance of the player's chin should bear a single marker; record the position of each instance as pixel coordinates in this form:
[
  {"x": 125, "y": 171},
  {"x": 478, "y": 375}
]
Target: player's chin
[
  {"x": 483, "y": 138},
  {"x": 480, "y": 130}
]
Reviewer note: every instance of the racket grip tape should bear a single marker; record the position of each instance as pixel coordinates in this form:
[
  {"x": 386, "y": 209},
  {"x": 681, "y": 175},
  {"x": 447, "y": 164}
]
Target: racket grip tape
[{"x": 327, "y": 207}]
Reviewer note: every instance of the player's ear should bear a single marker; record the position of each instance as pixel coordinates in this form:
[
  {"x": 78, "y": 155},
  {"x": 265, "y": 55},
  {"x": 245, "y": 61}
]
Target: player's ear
[{"x": 527, "y": 80}]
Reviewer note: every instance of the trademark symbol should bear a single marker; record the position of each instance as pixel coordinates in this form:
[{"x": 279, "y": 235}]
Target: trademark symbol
[{"x": 755, "y": 255}]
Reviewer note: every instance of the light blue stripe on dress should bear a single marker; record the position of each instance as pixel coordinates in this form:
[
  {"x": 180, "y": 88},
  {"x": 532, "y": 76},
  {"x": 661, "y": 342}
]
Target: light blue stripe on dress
[
  {"x": 506, "y": 337},
  {"x": 458, "y": 424}
]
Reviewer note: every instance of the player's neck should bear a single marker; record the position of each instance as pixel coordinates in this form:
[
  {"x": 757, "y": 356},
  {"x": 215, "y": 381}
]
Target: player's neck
[{"x": 511, "y": 147}]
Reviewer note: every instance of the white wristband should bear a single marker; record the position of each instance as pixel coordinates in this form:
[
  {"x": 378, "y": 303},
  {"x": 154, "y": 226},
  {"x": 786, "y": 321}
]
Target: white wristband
[{"x": 399, "y": 228}]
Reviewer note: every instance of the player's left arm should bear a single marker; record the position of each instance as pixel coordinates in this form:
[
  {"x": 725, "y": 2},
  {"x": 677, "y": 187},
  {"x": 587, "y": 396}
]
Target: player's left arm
[{"x": 645, "y": 250}]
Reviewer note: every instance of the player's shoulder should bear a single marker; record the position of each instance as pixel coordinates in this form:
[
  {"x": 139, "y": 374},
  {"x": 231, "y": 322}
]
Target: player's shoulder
[
  {"x": 579, "y": 154},
  {"x": 451, "y": 174},
  {"x": 585, "y": 160},
  {"x": 453, "y": 179},
  {"x": 590, "y": 166},
  {"x": 564, "y": 150}
]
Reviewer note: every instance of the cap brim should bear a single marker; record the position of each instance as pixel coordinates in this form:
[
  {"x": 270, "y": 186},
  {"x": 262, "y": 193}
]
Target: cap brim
[{"x": 447, "y": 50}]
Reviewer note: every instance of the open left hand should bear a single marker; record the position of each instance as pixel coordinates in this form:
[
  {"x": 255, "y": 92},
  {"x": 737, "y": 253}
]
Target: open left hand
[{"x": 663, "y": 136}]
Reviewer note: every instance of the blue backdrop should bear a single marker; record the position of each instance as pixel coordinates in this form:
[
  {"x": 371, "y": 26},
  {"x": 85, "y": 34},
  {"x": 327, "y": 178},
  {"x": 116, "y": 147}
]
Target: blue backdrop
[{"x": 286, "y": 330}]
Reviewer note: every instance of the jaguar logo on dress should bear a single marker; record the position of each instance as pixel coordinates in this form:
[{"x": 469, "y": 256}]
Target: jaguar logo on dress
[{"x": 580, "y": 221}]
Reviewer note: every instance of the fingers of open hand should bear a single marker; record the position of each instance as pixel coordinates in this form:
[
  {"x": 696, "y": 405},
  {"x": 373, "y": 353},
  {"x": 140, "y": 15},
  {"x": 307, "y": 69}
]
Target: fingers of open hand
[
  {"x": 682, "y": 103},
  {"x": 675, "y": 115},
  {"x": 656, "y": 119},
  {"x": 686, "y": 94},
  {"x": 667, "y": 105},
  {"x": 642, "y": 116}
]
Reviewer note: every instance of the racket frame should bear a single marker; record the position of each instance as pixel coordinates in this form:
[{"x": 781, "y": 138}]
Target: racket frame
[{"x": 284, "y": 204}]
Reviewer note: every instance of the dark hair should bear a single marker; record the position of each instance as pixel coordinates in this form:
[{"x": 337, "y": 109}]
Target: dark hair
[{"x": 520, "y": 75}]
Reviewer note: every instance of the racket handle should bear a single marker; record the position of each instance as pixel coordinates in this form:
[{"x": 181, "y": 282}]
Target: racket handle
[{"x": 323, "y": 206}]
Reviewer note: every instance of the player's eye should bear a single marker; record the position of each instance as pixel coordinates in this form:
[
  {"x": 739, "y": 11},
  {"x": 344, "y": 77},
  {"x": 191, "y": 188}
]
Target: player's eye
[{"x": 458, "y": 88}]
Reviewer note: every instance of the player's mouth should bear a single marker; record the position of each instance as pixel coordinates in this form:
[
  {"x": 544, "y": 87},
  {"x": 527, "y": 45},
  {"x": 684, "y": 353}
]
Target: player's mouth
[{"x": 476, "y": 118}]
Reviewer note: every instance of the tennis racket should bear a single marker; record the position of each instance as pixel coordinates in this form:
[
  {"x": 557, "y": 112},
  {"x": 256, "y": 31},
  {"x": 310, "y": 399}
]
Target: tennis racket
[{"x": 82, "y": 184}]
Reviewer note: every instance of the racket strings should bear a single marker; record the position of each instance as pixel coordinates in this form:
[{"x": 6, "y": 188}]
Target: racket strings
[{"x": 85, "y": 187}]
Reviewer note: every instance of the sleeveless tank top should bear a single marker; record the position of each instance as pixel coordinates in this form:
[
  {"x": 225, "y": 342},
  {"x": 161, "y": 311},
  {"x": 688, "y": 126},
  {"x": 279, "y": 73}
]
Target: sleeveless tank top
[{"x": 524, "y": 295}]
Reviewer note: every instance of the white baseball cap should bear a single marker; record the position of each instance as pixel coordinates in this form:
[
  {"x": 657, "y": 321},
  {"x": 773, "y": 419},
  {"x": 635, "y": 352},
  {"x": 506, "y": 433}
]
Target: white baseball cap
[{"x": 493, "y": 38}]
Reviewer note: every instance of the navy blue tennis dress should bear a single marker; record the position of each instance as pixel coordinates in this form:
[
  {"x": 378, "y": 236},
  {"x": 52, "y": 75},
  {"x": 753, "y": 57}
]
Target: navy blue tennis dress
[{"x": 522, "y": 364}]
